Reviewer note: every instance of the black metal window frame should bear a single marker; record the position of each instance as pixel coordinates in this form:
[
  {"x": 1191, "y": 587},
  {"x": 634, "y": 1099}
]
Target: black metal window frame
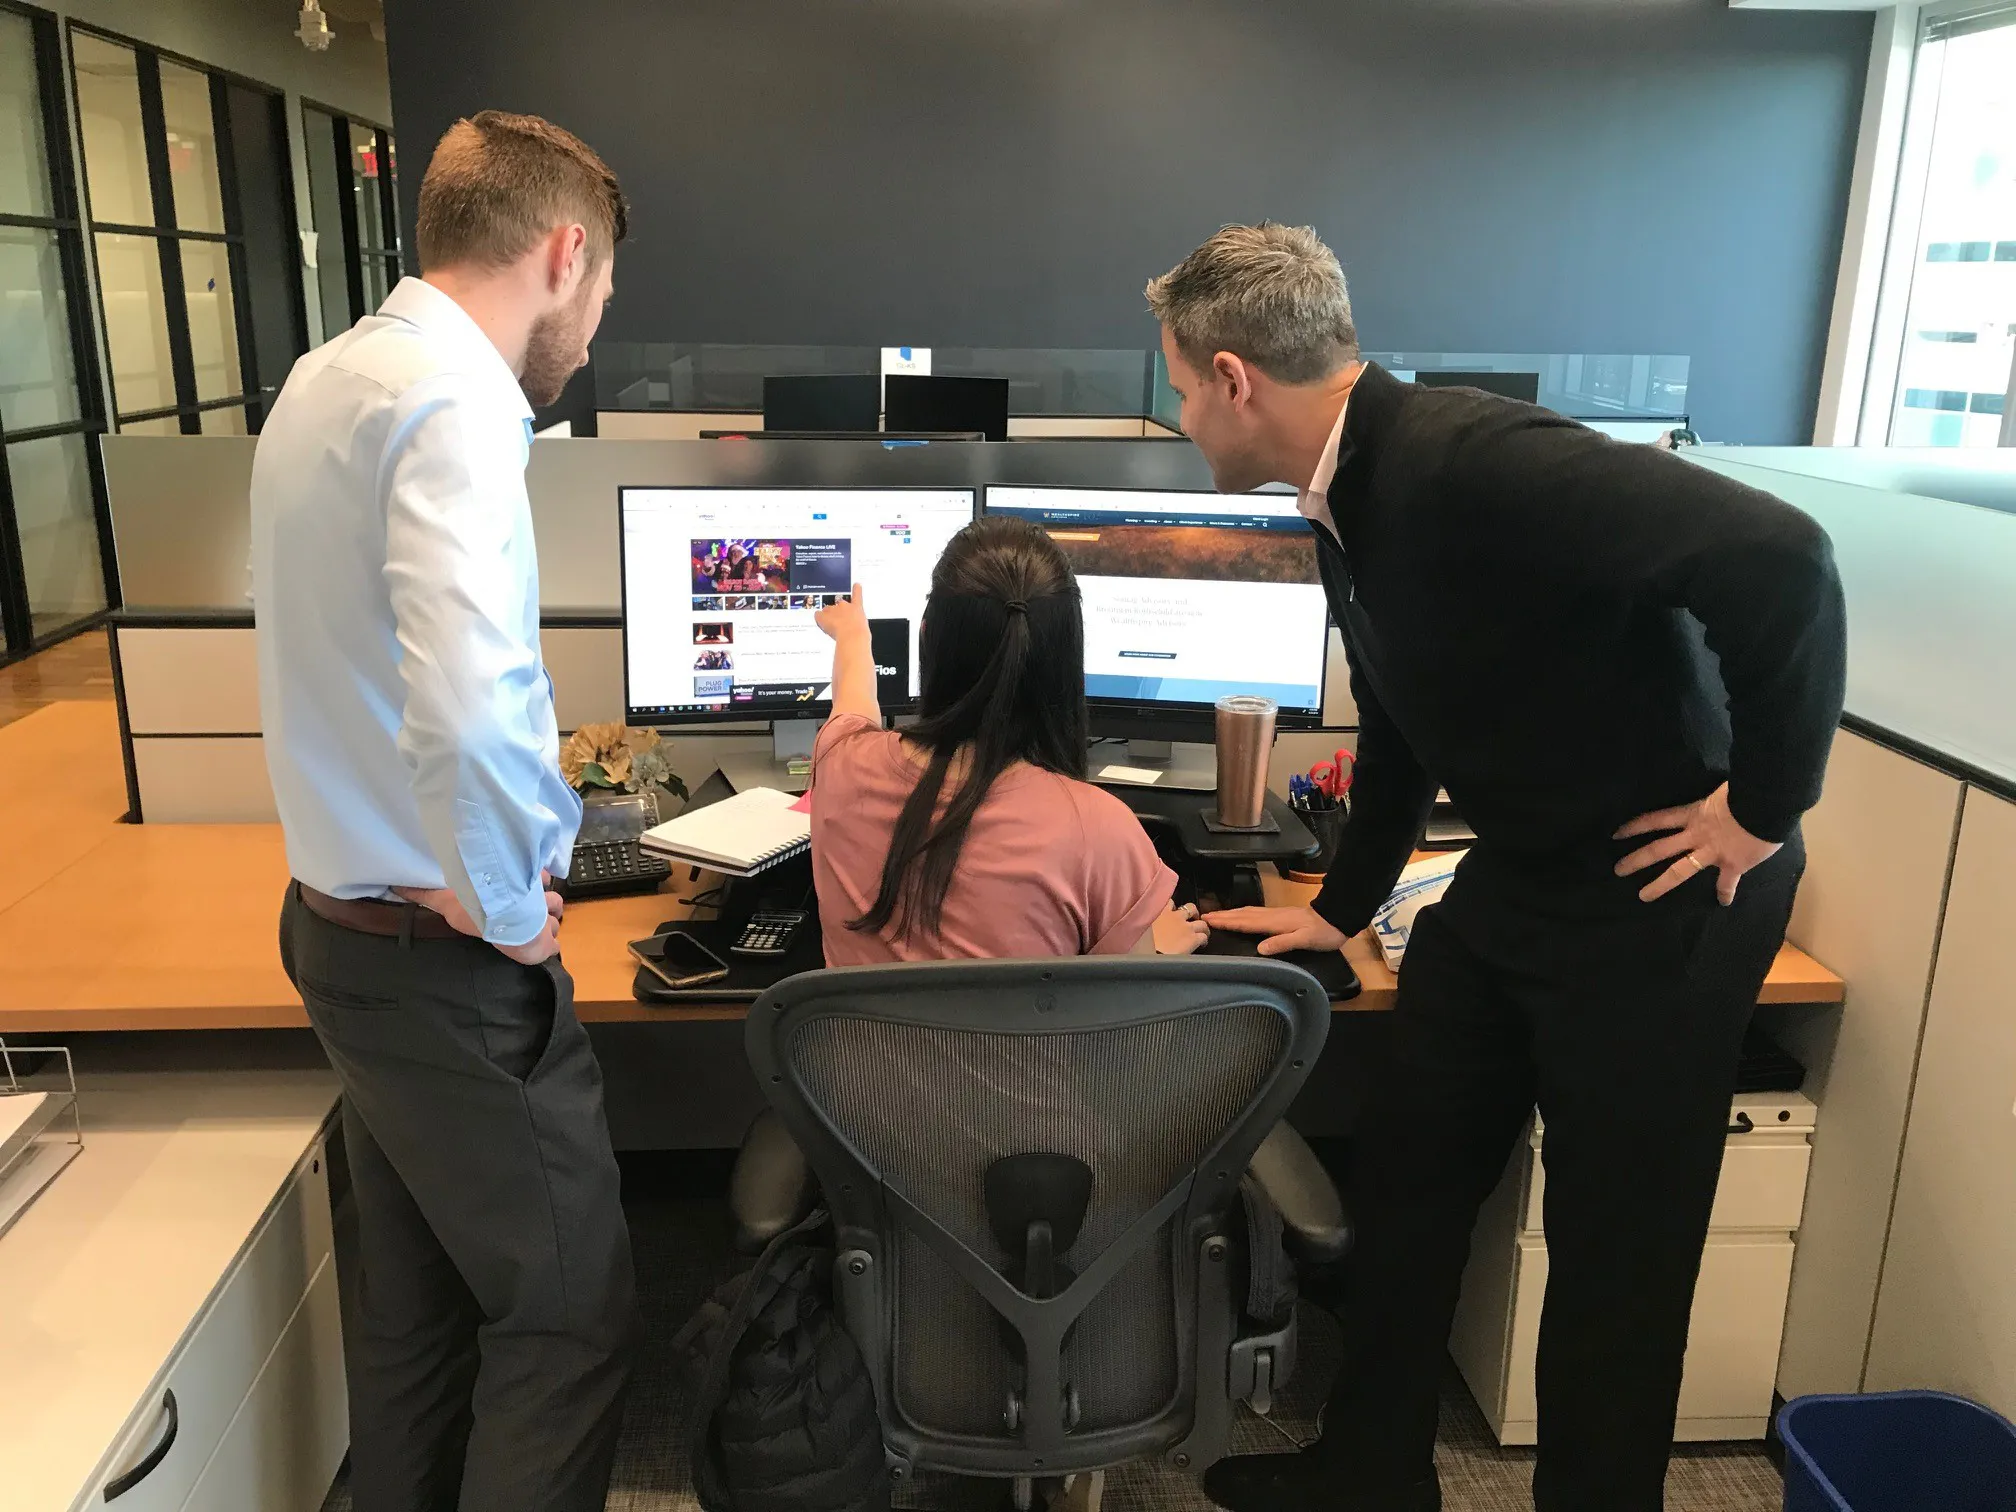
[
  {"x": 69, "y": 226},
  {"x": 169, "y": 238},
  {"x": 391, "y": 258}
]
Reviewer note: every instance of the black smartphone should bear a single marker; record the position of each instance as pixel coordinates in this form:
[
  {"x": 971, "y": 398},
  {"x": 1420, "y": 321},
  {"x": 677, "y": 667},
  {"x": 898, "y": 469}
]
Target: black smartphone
[{"x": 678, "y": 960}]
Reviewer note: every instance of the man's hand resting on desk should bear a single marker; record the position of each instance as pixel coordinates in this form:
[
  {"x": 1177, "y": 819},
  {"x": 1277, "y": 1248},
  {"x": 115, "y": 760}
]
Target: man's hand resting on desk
[
  {"x": 1286, "y": 928},
  {"x": 444, "y": 902}
]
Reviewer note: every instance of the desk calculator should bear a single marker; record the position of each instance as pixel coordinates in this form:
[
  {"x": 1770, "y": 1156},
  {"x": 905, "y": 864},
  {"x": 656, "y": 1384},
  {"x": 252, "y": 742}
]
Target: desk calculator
[
  {"x": 611, "y": 868},
  {"x": 768, "y": 933}
]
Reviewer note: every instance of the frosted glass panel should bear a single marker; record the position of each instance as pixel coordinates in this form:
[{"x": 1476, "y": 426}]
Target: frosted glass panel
[
  {"x": 224, "y": 422},
  {"x": 59, "y": 530},
  {"x": 213, "y": 327},
  {"x": 108, "y": 107},
  {"x": 364, "y": 180},
  {"x": 38, "y": 374},
  {"x": 192, "y": 148},
  {"x": 1931, "y": 589},
  {"x": 24, "y": 170},
  {"x": 136, "y": 322}
]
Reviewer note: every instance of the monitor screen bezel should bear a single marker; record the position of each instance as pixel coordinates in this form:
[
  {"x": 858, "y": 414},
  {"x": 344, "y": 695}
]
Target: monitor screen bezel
[
  {"x": 1144, "y": 719},
  {"x": 815, "y": 708}
]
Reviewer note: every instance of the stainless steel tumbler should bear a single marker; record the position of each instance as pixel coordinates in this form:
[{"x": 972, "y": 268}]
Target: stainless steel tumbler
[{"x": 1245, "y": 741}]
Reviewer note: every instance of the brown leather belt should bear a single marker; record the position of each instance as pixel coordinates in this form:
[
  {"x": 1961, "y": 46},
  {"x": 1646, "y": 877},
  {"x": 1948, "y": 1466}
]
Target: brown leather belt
[{"x": 403, "y": 920}]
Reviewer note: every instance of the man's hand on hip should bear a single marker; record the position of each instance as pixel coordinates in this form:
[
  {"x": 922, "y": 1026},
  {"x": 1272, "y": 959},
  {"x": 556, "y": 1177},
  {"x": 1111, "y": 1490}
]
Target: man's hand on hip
[
  {"x": 1286, "y": 928},
  {"x": 1704, "y": 836},
  {"x": 444, "y": 902},
  {"x": 541, "y": 946}
]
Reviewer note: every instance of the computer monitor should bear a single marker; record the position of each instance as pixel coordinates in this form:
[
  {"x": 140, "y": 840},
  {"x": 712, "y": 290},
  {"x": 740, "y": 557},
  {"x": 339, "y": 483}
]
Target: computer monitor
[
  {"x": 1525, "y": 387},
  {"x": 823, "y": 402},
  {"x": 916, "y": 402},
  {"x": 720, "y": 586},
  {"x": 1188, "y": 597}
]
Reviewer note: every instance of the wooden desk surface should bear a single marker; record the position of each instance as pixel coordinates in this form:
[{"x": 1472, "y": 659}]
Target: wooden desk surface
[{"x": 174, "y": 926}]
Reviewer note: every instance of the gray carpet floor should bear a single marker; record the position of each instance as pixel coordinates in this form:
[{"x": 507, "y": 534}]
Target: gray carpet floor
[{"x": 683, "y": 1253}]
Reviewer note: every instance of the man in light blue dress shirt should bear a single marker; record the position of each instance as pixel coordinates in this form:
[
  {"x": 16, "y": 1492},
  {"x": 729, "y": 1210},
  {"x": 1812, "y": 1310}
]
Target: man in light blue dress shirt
[{"x": 409, "y": 730}]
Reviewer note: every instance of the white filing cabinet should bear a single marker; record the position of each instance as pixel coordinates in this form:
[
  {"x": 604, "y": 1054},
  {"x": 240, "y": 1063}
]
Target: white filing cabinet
[
  {"x": 1739, "y": 1303},
  {"x": 186, "y": 1256}
]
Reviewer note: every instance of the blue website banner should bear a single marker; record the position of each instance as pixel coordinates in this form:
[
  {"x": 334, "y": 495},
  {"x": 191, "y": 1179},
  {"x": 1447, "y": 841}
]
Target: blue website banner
[{"x": 1197, "y": 690}]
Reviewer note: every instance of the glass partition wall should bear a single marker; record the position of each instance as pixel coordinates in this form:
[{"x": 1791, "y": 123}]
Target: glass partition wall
[
  {"x": 192, "y": 220},
  {"x": 353, "y": 185},
  {"x": 53, "y": 540},
  {"x": 1055, "y": 381}
]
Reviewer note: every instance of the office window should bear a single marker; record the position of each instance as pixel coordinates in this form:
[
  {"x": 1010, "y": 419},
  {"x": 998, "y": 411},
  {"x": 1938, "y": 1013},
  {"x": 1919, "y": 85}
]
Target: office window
[
  {"x": 1958, "y": 359},
  {"x": 52, "y": 541},
  {"x": 191, "y": 217},
  {"x": 353, "y": 185}
]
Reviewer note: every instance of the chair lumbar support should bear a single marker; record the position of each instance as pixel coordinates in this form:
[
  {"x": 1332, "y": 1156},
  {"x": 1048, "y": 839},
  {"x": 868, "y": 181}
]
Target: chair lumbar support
[
  {"x": 1036, "y": 1204},
  {"x": 1039, "y": 1190}
]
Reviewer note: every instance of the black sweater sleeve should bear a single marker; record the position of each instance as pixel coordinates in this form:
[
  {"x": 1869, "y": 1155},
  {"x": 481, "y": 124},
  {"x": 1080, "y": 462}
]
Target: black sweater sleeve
[
  {"x": 1757, "y": 573},
  {"x": 1391, "y": 795}
]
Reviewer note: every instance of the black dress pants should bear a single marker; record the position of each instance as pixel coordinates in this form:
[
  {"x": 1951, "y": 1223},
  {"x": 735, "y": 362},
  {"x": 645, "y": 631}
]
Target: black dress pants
[
  {"x": 1622, "y": 1021},
  {"x": 488, "y": 1299}
]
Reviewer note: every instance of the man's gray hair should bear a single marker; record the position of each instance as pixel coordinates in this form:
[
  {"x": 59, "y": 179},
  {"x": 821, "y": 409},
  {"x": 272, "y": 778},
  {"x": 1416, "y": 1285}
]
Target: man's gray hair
[{"x": 1271, "y": 294}]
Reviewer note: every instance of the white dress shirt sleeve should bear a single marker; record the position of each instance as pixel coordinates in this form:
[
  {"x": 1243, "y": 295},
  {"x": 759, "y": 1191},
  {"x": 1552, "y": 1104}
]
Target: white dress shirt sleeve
[{"x": 458, "y": 573}]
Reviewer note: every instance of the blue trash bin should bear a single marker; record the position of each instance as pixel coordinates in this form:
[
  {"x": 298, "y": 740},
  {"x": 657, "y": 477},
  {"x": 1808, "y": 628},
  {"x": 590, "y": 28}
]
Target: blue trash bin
[{"x": 1898, "y": 1451}]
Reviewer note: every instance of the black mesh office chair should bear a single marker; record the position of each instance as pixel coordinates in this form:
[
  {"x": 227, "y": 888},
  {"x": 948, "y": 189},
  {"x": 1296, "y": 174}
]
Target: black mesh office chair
[{"x": 1034, "y": 1170}]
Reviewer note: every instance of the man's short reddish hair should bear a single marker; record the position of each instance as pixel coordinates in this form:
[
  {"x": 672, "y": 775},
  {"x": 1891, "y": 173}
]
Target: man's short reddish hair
[{"x": 499, "y": 182}]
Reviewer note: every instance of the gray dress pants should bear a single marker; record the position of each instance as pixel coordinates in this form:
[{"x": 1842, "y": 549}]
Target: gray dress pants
[{"x": 489, "y": 1301}]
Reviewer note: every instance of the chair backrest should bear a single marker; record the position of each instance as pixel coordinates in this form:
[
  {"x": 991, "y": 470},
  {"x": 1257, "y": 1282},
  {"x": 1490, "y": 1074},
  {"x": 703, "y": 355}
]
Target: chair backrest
[{"x": 907, "y": 1086}]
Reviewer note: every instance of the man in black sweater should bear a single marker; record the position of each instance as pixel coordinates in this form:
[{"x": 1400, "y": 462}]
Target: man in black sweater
[{"x": 1626, "y": 670}]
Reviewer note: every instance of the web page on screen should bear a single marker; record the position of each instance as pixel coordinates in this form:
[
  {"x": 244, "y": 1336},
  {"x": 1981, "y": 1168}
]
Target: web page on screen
[
  {"x": 1189, "y": 596},
  {"x": 721, "y": 586}
]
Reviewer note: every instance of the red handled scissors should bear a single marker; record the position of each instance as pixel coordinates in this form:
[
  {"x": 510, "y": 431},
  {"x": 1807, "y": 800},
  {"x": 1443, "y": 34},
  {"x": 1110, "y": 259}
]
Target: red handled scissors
[{"x": 1333, "y": 777}]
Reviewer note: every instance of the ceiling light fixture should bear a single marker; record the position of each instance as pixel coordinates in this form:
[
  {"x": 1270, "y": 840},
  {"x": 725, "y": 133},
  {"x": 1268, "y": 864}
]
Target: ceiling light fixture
[{"x": 314, "y": 29}]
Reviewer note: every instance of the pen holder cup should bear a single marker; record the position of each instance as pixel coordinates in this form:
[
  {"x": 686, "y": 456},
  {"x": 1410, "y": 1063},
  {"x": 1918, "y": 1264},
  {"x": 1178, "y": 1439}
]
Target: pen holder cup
[{"x": 1327, "y": 825}]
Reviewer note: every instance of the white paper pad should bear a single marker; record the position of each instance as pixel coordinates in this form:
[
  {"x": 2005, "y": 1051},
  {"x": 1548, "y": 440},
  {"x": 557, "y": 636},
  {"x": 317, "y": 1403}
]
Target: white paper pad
[{"x": 1140, "y": 775}]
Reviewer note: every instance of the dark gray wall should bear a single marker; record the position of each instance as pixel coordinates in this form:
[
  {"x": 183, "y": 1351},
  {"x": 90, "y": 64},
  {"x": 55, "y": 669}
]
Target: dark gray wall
[{"x": 1497, "y": 175}]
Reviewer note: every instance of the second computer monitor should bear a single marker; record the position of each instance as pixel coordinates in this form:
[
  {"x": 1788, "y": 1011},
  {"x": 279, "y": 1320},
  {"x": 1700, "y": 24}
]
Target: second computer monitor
[
  {"x": 920, "y": 402},
  {"x": 1188, "y": 597},
  {"x": 721, "y": 586},
  {"x": 823, "y": 402}
]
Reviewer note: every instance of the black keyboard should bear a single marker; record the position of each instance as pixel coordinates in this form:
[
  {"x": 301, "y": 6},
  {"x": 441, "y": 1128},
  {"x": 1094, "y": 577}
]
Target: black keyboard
[{"x": 610, "y": 869}]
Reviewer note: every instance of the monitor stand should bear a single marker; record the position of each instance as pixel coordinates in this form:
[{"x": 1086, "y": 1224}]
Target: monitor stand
[
  {"x": 1181, "y": 765},
  {"x": 790, "y": 741}
]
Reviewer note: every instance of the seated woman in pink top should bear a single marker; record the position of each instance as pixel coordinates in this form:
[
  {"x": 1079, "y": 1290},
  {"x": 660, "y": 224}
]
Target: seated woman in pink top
[{"x": 973, "y": 832}]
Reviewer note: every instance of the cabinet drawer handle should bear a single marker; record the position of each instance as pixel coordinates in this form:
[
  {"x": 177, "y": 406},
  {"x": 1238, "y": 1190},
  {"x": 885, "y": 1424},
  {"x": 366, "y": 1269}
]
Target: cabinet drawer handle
[
  {"x": 118, "y": 1488},
  {"x": 1743, "y": 1125}
]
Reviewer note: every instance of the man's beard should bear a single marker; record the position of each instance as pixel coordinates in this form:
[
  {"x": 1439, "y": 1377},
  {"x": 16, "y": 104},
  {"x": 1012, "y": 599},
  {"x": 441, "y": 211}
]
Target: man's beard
[{"x": 553, "y": 352}]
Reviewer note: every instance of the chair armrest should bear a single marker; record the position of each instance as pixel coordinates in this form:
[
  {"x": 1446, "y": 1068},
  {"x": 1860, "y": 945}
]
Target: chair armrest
[
  {"x": 772, "y": 1187},
  {"x": 1314, "y": 1228}
]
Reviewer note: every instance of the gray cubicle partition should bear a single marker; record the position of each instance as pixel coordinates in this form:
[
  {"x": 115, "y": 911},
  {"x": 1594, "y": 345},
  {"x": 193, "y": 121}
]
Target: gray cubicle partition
[
  {"x": 1909, "y": 1233},
  {"x": 1986, "y": 477},
  {"x": 182, "y": 647}
]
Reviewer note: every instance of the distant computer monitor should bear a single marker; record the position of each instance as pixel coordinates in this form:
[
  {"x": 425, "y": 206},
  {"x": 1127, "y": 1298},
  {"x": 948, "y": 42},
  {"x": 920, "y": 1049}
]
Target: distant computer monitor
[
  {"x": 823, "y": 402},
  {"x": 915, "y": 402},
  {"x": 1524, "y": 387},
  {"x": 1188, "y": 597},
  {"x": 720, "y": 586}
]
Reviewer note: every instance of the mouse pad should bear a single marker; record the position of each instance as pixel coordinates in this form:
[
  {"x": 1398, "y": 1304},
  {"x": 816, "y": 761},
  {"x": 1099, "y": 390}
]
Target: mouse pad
[{"x": 1328, "y": 966}]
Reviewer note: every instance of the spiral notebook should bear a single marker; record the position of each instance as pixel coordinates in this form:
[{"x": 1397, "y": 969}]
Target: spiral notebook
[{"x": 738, "y": 836}]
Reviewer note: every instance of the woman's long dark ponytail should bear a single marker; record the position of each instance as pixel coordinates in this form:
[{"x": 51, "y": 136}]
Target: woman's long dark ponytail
[{"x": 1003, "y": 679}]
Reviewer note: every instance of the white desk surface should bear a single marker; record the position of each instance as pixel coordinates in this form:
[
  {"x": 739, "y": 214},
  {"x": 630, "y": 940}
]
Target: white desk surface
[{"x": 107, "y": 1270}]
